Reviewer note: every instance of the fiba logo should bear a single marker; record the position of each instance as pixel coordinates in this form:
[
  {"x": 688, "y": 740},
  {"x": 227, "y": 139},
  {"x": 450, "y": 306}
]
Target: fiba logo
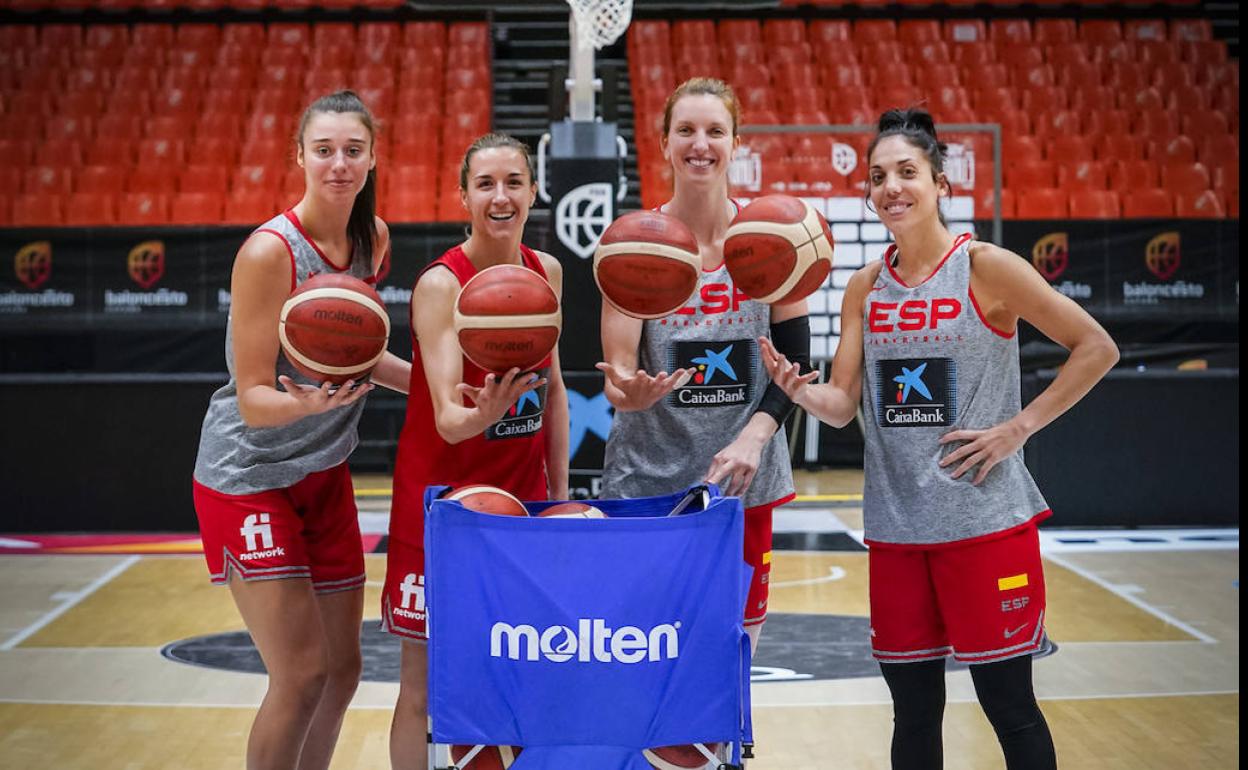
[
  {"x": 146, "y": 263},
  {"x": 258, "y": 534},
  {"x": 746, "y": 170},
  {"x": 413, "y": 589},
  {"x": 1051, "y": 255},
  {"x": 591, "y": 641},
  {"x": 33, "y": 264},
  {"x": 582, "y": 216},
  {"x": 844, "y": 158}
]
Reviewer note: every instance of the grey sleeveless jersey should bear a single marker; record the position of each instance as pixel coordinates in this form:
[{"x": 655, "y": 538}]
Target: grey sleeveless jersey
[
  {"x": 238, "y": 460},
  {"x": 931, "y": 365},
  {"x": 670, "y": 445}
]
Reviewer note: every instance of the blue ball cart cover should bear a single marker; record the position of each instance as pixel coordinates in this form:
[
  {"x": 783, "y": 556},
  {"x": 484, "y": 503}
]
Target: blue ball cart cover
[{"x": 585, "y": 641}]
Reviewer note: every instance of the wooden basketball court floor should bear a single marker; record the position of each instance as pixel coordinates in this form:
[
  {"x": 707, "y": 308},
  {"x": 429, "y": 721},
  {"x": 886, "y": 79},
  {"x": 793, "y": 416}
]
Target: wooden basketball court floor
[{"x": 1146, "y": 674}]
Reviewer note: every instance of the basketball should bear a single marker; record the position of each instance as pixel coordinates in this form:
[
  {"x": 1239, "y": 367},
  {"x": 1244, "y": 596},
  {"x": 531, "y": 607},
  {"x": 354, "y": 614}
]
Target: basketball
[
  {"x": 489, "y": 758},
  {"x": 647, "y": 264},
  {"x": 334, "y": 328},
  {"x": 573, "y": 511},
  {"x": 684, "y": 757},
  {"x": 778, "y": 249},
  {"x": 507, "y": 316},
  {"x": 488, "y": 500}
]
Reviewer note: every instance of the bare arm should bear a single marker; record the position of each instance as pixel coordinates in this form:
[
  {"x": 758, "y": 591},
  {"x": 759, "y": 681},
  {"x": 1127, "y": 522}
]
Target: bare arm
[
  {"x": 1007, "y": 289},
  {"x": 391, "y": 371},
  {"x": 628, "y": 388},
  {"x": 433, "y": 303},
  {"x": 259, "y": 285},
  {"x": 557, "y": 425}
]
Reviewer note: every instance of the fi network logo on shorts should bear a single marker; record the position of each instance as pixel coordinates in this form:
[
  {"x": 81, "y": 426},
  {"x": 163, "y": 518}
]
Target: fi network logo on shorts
[
  {"x": 592, "y": 641},
  {"x": 258, "y": 534},
  {"x": 719, "y": 369},
  {"x": 915, "y": 392},
  {"x": 412, "y": 605}
]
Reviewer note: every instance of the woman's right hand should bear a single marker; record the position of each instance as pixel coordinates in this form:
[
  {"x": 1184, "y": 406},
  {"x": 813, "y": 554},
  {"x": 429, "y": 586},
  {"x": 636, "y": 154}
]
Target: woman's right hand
[
  {"x": 318, "y": 400},
  {"x": 496, "y": 395},
  {"x": 640, "y": 390},
  {"x": 784, "y": 373}
]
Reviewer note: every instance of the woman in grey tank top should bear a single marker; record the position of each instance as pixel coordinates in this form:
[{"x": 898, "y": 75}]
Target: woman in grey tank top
[
  {"x": 929, "y": 345},
  {"x": 272, "y": 490},
  {"x": 688, "y": 389}
]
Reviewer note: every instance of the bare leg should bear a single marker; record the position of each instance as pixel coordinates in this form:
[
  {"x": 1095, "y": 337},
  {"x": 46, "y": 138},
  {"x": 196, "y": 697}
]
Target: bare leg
[
  {"x": 408, "y": 748},
  {"x": 754, "y": 632},
  {"x": 341, "y": 615},
  {"x": 285, "y": 624}
]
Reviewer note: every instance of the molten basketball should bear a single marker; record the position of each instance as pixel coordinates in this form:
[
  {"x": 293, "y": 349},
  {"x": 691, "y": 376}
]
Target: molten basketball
[
  {"x": 507, "y": 316},
  {"x": 334, "y": 328},
  {"x": 488, "y": 500},
  {"x": 778, "y": 249},
  {"x": 573, "y": 511},
  {"x": 679, "y": 757},
  {"x": 489, "y": 758},
  {"x": 647, "y": 264}
]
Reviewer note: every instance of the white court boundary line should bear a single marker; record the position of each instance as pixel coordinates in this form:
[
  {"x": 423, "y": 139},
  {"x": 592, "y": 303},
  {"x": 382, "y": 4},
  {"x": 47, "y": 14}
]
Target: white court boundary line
[
  {"x": 70, "y": 603},
  {"x": 1117, "y": 591}
]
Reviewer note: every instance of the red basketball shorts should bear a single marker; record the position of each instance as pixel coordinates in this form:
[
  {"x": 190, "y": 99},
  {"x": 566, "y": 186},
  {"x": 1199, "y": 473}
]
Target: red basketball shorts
[
  {"x": 980, "y": 602},
  {"x": 403, "y": 596},
  {"x": 758, "y": 556},
  {"x": 310, "y": 530}
]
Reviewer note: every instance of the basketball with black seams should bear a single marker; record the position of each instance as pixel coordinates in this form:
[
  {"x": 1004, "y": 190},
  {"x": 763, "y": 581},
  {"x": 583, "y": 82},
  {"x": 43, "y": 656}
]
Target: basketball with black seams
[
  {"x": 647, "y": 264},
  {"x": 334, "y": 328},
  {"x": 684, "y": 757},
  {"x": 572, "y": 510},
  {"x": 778, "y": 249},
  {"x": 489, "y": 758},
  {"x": 507, "y": 316},
  {"x": 487, "y": 499}
]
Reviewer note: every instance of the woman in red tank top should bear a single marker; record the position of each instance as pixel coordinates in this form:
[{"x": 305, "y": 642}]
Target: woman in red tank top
[{"x": 451, "y": 435}]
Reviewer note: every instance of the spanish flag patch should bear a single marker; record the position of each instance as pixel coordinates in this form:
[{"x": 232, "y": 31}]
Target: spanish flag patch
[
  {"x": 1012, "y": 582},
  {"x": 767, "y": 559}
]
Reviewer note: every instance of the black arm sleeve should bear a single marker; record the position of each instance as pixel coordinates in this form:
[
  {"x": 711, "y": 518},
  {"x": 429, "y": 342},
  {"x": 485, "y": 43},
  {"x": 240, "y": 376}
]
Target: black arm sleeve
[{"x": 792, "y": 340}]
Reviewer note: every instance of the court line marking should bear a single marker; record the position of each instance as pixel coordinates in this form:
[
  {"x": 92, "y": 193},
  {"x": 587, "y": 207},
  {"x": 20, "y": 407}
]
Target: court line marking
[
  {"x": 74, "y": 598},
  {"x": 834, "y": 573},
  {"x": 1130, "y": 598}
]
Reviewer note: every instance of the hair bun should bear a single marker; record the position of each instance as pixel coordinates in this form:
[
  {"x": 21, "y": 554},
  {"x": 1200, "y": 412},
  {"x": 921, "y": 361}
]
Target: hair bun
[{"x": 914, "y": 119}]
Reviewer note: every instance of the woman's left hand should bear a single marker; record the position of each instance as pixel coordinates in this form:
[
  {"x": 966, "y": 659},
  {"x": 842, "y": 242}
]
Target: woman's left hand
[
  {"x": 984, "y": 448},
  {"x": 734, "y": 466}
]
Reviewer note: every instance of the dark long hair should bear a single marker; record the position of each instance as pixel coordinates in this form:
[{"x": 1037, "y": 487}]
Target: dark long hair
[
  {"x": 917, "y": 127},
  {"x": 362, "y": 224}
]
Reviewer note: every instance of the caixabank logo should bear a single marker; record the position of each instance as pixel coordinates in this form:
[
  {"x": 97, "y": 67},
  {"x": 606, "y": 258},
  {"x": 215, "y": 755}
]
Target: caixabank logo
[
  {"x": 524, "y": 418},
  {"x": 32, "y": 267},
  {"x": 721, "y": 373},
  {"x": 915, "y": 392},
  {"x": 1163, "y": 257},
  {"x": 1051, "y": 256}
]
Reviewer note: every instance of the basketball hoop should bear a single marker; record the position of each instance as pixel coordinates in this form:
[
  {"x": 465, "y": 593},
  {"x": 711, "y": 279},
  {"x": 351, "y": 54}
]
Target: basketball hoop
[{"x": 599, "y": 23}]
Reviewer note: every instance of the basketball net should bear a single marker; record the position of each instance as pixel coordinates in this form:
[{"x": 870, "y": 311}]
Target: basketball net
[{"x": 599, "y": 23}]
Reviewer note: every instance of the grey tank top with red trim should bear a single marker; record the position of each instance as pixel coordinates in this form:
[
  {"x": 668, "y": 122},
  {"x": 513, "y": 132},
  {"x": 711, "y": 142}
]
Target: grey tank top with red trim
[
  {"x": 238, "y": 460},
  {"x": 931, "y": 365},
  {"x": 670, "y": 445}
]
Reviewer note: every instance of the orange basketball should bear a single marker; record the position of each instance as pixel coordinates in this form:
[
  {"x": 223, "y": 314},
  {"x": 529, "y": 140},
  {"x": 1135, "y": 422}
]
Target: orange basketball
[
  {"x": 507, "y": 316},
  {"x": 334, "y": 328},
  {"x": 778, "y": 249},
  {"x": 683, "y": 757},
  {"x": 489, "y": 758},
  {"x": 647, "y": 264},
  {"x": 573, "y": 511},
  {"x": 488, "y": 500}
]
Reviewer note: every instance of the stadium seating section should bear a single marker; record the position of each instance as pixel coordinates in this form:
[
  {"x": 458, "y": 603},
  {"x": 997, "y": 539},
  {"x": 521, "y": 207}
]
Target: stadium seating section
[
  {"x": 1100, "y": 119},
  {"x": 157, "y": 123}
]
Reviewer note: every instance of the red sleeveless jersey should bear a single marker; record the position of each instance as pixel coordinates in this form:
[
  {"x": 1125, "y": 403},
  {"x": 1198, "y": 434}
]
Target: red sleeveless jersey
[{"x": 510, "y": 454}]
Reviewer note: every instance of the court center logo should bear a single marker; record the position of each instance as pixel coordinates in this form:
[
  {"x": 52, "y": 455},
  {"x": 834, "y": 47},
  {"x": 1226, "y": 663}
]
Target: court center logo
[
  {"x": 591, "y": 641},
  {"x": 146, "y": 263},
  {"x": 1051, "y": 255},
  {"x": 720, "y": 373},
  {"x": 582, "y": 216},
  {"x": 257, "y": 533},
  {"x": 915, "y": 392},
  {"x": 33, "y": 264},
  {"x": 1162, "y": 255}
]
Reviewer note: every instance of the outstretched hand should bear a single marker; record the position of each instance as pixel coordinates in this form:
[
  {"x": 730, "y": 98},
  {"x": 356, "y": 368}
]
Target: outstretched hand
[
  {"x": 786, "y": 374},
  {"x": 497, "y": 394},
  {"x": 318, "y": 400},
  {"x": 641, "y": 390}
]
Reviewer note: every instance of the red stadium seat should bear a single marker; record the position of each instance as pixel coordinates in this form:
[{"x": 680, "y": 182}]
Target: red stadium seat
[
  {"x": 1156, "y": 124},
  {"x": 1095, "y": 204},
  {"x": 1068, "y": 149},
  {"x": 1021, "y": 55},
  {"x": 963, "y": 31},
  {"x": 1219, "y": 148},
  {"x": 1225, "y": 176},
  {"x": 1202, "y": 52},
  {"x": 826, "y": 31},
  {"x": 160, "y": 179},
  {"x": 1202, "y": 124},
  {"x": 37, "y": 210},
  {"x": 1053, "y": 31},
  {"x": 142, "y": 208},
  {"x": 1043, "y": 99},
  {"x": 106, "y": 179},
  {"x": 1188, "y": 100},
  {"x": 915, "y": 31},
  {"x": 87, "y": 208},
  {"x": 1082, "y": 175},
  {"x": 1186, "y": 178},
  {"x": 1041, "y": 204},
  {"x": 195, "y": 209},
  {"x": 1206, "y": 204},
  {"x": 1156, "y": 52},
  {"x": 1100, "y": 31},
  {"x": 204, "y": 179},
  {"x": 1006, "y": 32},
  {"x": 1020, "y": 148},
  {"x": 1147, "y": 204},
  {"x": 1126, "y": 175},
  {"x": 1030, "y": 174},
  {"x": 1098, "y": 121},
  {"x": 1180, "y": 149},
  {"x": 1062, "y": 55},
  {"x": 874, "y": 30},
  {"x": 48, "y": 180},
  {"x": 1144, "y": 29}
]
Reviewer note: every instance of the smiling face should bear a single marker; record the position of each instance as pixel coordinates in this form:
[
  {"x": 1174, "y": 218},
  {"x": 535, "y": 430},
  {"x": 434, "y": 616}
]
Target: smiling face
[
  {"x": 336, "y": 153},
  {"x": 500, "y": 192},
  {"x": 901, "y": 185},
  {"x": 700, "y": 141}
]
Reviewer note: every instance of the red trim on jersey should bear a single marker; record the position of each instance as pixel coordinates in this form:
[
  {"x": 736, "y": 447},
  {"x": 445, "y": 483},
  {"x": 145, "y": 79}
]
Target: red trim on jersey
[
  {"x": 892, "y": 249},
  {"x": 1033, "y": 521},
  {"x": 984, "y": 319},
  {"x": 294, "y": 220},
  {"x": 294, "y": 278}
]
